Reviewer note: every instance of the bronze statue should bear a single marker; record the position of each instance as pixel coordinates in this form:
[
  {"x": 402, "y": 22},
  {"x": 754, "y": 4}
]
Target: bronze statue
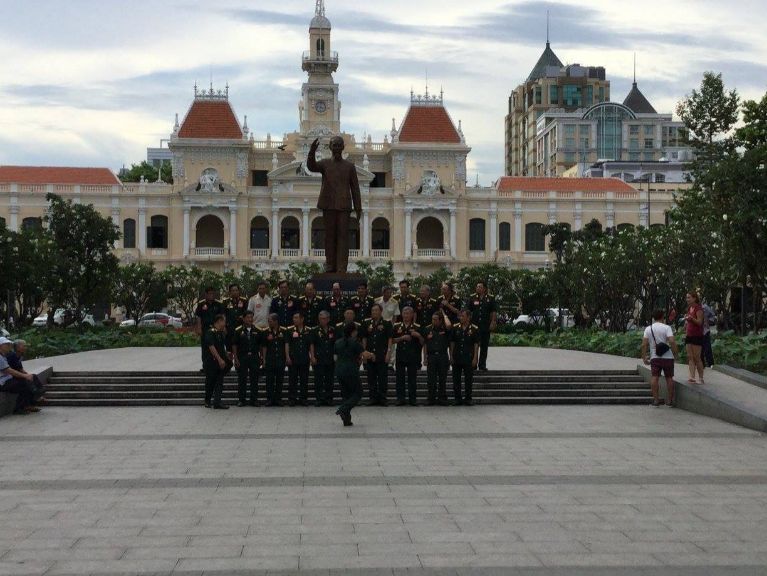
[{"x": 340, "y": 194}]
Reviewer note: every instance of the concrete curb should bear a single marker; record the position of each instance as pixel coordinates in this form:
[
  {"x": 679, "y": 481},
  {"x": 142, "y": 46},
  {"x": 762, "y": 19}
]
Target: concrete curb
[
  {"x": 704, "y": 401},
  {"x": 740, "y": 374}
]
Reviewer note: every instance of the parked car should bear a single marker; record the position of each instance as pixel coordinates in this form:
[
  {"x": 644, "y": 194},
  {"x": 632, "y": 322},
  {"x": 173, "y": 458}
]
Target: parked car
[
  {"x": 63, "y": 317},
  {"x": 154, "y": 320},
  {"x": 567, "y": 321}
]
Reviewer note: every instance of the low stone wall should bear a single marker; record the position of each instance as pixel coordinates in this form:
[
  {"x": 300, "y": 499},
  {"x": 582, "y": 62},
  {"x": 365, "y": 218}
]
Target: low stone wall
[{"x": 8, "y": 400}]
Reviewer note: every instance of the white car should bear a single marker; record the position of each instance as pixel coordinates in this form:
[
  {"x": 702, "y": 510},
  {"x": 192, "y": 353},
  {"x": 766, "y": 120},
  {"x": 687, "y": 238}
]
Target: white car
[
  {"x": 159, "y": 320},
  {"x": 59, "y": 318},
  {"x": 567, "y": 320}
]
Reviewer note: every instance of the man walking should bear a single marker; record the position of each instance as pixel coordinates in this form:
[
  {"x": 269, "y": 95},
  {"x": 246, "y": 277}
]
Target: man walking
[
  {"x": 484, "y": 314},
  {"x": 407, "y": 336},
  {"x": 246, "y": 351},
  {"x": 464, "y": 354}
]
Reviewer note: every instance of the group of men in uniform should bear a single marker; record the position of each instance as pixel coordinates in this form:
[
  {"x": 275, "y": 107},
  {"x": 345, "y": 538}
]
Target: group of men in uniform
[{"x": 269, "y": 335}]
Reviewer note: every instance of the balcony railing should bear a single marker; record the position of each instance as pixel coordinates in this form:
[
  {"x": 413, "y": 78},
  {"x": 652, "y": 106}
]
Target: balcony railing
[
  {"x": 290, "y": 253},
  {"x": 380, "y": 254},
  {"x": 355, "y": 253},
  {"x": 431, "y": 253},
  {"x": 158, "y": 251},
  {"x": 208, "y": 251},
  {"x": 260, "y": 253},
  {"x": 321, "y": 56},
  {"x": 318, "y": 253}
]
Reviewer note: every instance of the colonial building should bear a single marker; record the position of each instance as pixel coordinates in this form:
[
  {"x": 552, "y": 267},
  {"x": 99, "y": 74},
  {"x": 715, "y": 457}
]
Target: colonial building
[{"x": 240, "y": 201}]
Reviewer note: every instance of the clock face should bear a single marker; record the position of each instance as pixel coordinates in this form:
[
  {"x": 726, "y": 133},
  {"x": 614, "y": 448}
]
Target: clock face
[{"x": 320, "y": 107}]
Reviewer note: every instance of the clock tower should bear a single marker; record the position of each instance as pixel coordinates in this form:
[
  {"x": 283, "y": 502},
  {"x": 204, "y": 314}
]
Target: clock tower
[{"x": 319, "y": 109}]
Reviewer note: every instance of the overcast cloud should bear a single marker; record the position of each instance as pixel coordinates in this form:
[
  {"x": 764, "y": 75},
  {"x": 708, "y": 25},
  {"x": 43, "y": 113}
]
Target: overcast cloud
[{"x": 94, "y": 82}]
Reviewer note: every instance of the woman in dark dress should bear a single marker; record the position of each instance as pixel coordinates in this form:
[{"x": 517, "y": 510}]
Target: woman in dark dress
[{"x": 349, "y": 356}]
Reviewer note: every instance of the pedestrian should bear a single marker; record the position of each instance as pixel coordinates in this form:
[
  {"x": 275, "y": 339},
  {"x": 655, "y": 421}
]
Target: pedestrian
[
  {"x": 349, "y": 355},
  {"x": 389, "y": 304},
  {"x": 361, "y": 303},
  {"x": 436, "y": 357},
  {"x": 484, "y": 314},
  {"x": 246, "y": 353},
  {"x": 216, "y": 363},
  {"x": 709, "y": 320},
  {"x": 273, "y": 357},
  {"x": 311, "y": 305},
  {"x": 464, "y": 355},
  {"x": 284, "y": 305},
  {"x": 405, "y": 298},
  {"x": 659, "y": 341},
  {"x": 321, "y": 356},
  {"x": 207, "y": 309},
  {"x": 377, "y": 339},
  {"x": 234, "y": 307},
  {"x": 694, "y": 337},
  {"x": 297, "y": 345},
  {"x": 14, "y": 382},
  {"x": 337, "y": 304},
  {"x": 259, "y": 304},
  {"x": 407, "y": 336}
]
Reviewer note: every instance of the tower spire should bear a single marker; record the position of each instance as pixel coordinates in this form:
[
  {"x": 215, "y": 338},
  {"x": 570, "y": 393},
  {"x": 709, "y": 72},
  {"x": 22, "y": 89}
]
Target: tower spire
[
  {"x": 635, "y": 68},
  {"x": 320, "y": 8},
  {"x": 548, "y": 17}
]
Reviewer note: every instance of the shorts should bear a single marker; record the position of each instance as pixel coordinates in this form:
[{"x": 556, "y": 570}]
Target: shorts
[
  {"x": 664, "y": 365},
  {"x": 694, "y": 340}
]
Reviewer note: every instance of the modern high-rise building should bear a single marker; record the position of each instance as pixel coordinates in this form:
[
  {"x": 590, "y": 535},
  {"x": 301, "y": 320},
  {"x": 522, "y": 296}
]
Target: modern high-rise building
[{"x": 550, "y": 86}]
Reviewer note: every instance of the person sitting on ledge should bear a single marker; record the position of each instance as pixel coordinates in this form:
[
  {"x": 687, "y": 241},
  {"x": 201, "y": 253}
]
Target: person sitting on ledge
[
  {"x": 15, "y": 382},
  {"x": 15, "y": 358}
]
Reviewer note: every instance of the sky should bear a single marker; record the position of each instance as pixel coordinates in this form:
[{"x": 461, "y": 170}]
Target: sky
[{"x": 95, "y": 82}]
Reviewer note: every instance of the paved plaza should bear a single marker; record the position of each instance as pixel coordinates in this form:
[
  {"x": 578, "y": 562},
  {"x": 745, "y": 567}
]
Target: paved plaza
[{"x": 517, "y": 490}]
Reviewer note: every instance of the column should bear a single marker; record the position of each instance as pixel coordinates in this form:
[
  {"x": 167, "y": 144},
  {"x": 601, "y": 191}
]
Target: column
[
  {"x": 408, "y": 232},
  {"x": 116, "y": 221},
  {"x": 643, "y": 214},
  {"x": 233, "y": 231},
  {"x": 365, "y": 232},
  {"x": 578, "y": 216},
  {"x": 493, "y": 229},
  {"x": 610, "y": 215},
  {"x": 141, "y": 232},
  {"x": 305, "y": 232},
  {"x": 518, "y": 246},
  {"x": 187, "y": 212},
  {"x": 14, "y": 208},
  {"x": 275, "y": 232},
  {"x": 453, "y": 234}
]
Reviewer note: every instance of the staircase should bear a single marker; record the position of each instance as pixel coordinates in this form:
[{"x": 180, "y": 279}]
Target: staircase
[{"x": 493, "y": 387}]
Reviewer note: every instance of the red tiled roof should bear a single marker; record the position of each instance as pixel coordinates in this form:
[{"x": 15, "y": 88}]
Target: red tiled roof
[
  {"x": 210, "y": 119},
  {"x": 527, "y": 184},
  {"x": 428, "y": 124},
  {"x": 57, "y": 175}
]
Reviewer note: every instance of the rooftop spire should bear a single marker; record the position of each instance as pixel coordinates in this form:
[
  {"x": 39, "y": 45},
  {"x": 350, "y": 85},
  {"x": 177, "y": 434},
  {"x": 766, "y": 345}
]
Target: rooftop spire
[
  {"x": 635, "y": 68},
  {"x": 548, "y": 16},
  {"x": 320, "y": 8}
]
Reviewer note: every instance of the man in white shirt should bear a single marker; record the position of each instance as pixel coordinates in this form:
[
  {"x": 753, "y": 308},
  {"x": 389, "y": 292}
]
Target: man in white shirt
[
  {"x": 659, "y": 341},
  {"x": 259, "y": 305},
  {"x": 390, "y": 311}
]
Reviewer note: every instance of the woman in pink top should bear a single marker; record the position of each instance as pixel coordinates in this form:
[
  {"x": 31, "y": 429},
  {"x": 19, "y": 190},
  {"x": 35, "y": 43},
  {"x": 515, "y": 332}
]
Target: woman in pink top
[{"x": 694, "y": 336}]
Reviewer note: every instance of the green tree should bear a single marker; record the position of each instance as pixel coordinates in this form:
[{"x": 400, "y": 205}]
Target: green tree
[
  {"x": 299, "y": 274},
  {"x": 83, "y": 266},
  {"x": 148, "y": 172},
  {"x": 753, "y": 133},
  {"x": 377, "y": 276},
  {"x": 186, "y": 286},
  {"x": 711, "y": 112},
  {"x": 140, "y": 288}
]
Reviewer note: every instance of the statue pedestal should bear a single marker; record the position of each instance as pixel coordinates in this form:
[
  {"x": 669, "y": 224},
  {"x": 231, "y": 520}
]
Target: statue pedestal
[{"x": 349, "y": 281}]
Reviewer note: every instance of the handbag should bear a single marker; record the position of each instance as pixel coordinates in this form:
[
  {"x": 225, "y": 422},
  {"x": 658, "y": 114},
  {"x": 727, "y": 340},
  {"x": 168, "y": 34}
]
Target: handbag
[{"x": 660, "y": 349}]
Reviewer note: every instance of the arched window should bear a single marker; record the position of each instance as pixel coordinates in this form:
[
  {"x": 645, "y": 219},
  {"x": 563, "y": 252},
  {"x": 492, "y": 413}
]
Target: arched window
[
  {"x": 321, "y": 47},
  {"x": 430, "y": 234},
  {"x": 477, "y": 234},
  {"x": 32, "y": 224},
  {"x": 504, "y": 237},
  {"x": 259, "y": 233},
  {"x": 625, "y": 226},
  {"x": 290, "y": 235},
  {"x": 535, "y": 239},
  {"x": 157, "y": 233},
  {"x": 129, "y": 233},
  {"x": 210, "y": 232},
  {"x": 380, "y": 239}
]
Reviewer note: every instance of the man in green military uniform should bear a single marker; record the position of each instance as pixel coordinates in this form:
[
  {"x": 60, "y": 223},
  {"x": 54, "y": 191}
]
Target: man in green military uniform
[
  {"x": 464, "y": 352},
  {"x": 484, "y": 314},
  {"x": 273, "y": 356},
  {"x": 337, "y": 304},
  {"x": 215, "y": 362},
  {"x": 310, "y": 305},
  {"x": 377, "y": 339},
  {"x": 321, "y": 354},
  {"x": 284, "y": 305},
  {"x": 297, "y": 348},
  {"x": 436, "y": 352},
  {"x": 234, "y": 307},
  {"x": 425, "y": 306},
  {"x": 348, "y": 318},
  {"x": 246, "y": 351},
  {"x": 449, "y": 303},
  {"x": 407, "y": 336},
  {"x": 361, "y": 303},
  {"x": 207, "y": 309},
  {"x": 405, "y": 298}
]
